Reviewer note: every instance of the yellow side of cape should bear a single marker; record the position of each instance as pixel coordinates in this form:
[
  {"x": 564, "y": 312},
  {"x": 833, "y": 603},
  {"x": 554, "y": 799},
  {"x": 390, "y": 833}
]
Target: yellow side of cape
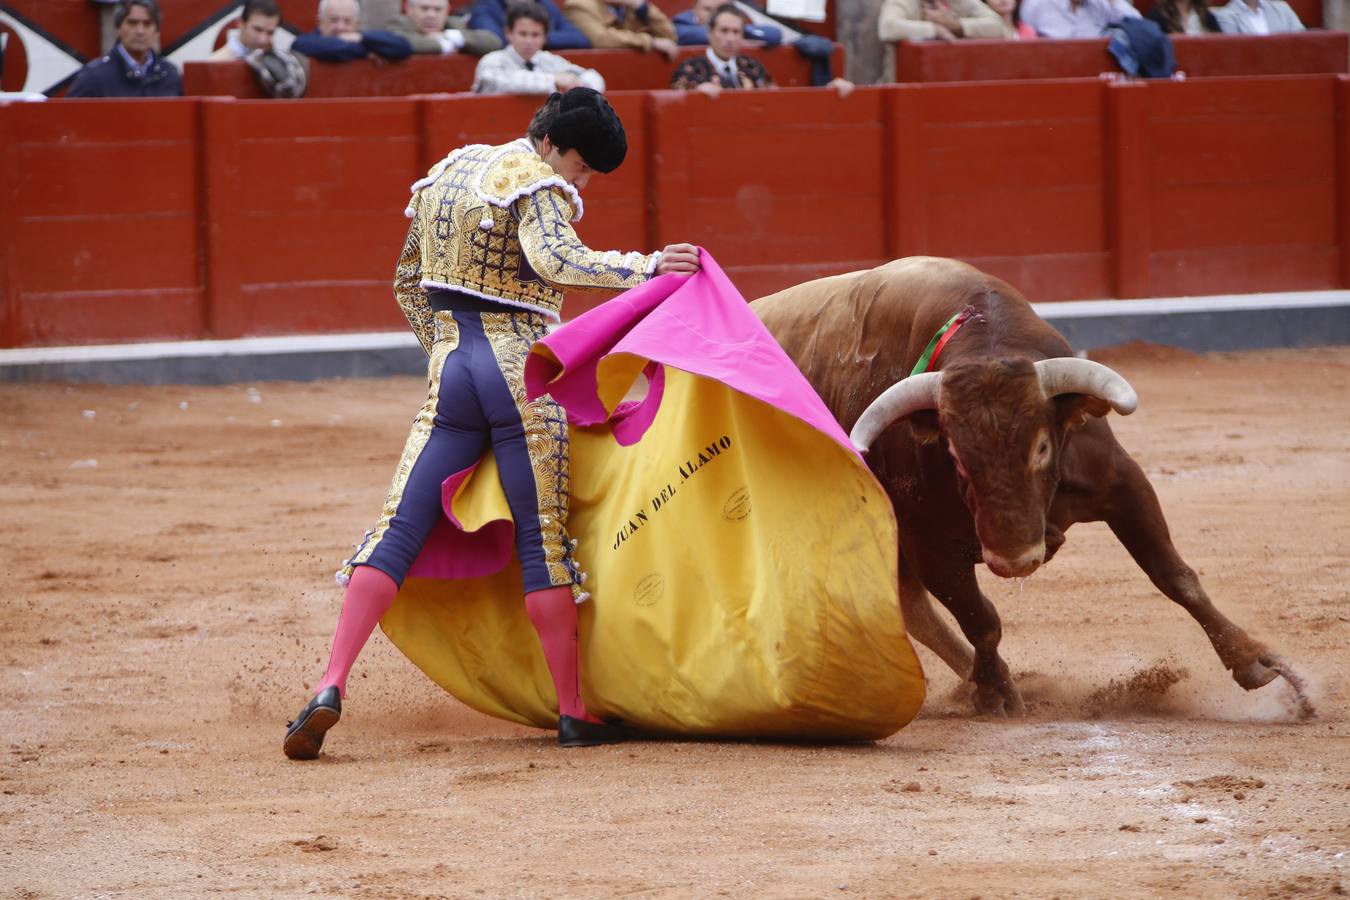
[{"x": 742, "y": 568}]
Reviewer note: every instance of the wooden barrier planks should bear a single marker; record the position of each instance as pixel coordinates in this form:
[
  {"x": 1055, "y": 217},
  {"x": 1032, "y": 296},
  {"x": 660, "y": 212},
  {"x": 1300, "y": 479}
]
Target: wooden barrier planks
[
  {"x": 1215, "y": 55},
  {"x": 102, "y": 221},
  {"x": 781, "y": 186},
  {"x": 305, "y": 203},
  {"x": 137, "y": 220},
  {"x": 1009, "y": 177}
]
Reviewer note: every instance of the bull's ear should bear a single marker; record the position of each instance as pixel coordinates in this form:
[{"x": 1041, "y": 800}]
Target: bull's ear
[
  {"x": 1073, "y": 410},
  {"x": 924, "y": 423}
]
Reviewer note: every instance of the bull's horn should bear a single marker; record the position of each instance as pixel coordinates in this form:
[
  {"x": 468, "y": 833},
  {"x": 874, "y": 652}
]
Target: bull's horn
[
  {"x": 1067, "y": 375},
  {"x": 899, "y": 400}
]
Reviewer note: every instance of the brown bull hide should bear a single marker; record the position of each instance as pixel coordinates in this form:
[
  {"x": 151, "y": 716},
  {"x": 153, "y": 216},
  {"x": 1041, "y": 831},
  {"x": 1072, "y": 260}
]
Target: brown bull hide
[{"x": 998, "y": 472}]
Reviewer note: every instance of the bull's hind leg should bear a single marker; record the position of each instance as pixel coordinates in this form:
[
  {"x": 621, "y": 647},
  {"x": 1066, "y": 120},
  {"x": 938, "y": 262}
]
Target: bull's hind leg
[
  {"x": 927, "y": 627},
  {"x": 1136, "y": 518},
  {"x": 995, "y": 691}
]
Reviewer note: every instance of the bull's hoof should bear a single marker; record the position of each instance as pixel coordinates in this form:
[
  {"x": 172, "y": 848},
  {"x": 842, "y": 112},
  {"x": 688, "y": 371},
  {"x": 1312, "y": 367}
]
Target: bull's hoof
[
  {"x": 1254, "y": 674},
  {"x": 999, "y": 700},
  {"x": 1303, "y": 705}
]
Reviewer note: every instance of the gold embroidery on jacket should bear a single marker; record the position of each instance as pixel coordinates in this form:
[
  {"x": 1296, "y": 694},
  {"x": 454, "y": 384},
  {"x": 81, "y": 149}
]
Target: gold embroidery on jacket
[
  {"x": 496, "y": 222},
  {"x": 409, "y": 293}
]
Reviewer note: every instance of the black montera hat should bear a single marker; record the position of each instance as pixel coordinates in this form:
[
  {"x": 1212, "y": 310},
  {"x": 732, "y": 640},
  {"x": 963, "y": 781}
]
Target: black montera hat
[{"x": 588, "y": 124}]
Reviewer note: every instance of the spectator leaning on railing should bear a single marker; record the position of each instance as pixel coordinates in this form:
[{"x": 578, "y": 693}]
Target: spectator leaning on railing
[
  {"x": 1075, "y": 18},
  {"x": 429, "y": 28},
  {"x": 723, "y": 66},
  {"x": 948, "y": 20},
  {"x": 562, "y": 34},
  {"x": 524, "y": 66},
  {"x": 634, "y": 24},
  {"x": 691, "y": 27},
  {"x": 339, "y": 37},
  {"x": 1257, "y": 17},
  {"x": 132, "y": 68}
]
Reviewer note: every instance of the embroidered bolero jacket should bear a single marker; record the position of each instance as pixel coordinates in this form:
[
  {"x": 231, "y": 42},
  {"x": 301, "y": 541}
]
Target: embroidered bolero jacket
[{"x": 495, "y": 222}]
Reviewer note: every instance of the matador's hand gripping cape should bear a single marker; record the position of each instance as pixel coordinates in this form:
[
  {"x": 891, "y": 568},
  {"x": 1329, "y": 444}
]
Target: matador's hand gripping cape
[{"x": 741, "y": 556}]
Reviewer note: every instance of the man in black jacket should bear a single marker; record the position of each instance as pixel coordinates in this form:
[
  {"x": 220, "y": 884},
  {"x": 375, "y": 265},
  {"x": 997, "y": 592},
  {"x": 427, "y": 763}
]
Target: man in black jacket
[{"x": 132, "y": 68}]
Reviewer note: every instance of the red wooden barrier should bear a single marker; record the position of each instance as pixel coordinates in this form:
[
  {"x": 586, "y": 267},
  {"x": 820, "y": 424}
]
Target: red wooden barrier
[
  {"x": 1007, "y": 176},
  {"x": 305, "y": 205},
  {"x": 780, "y": 186},
  {"x": 1197, "y": 55},
  {"x": 621, "y": 69},
  {"x": 135, "y": 220},
  {"x": 1238, "y": 189},
  {"x": 100, "y": 221}
]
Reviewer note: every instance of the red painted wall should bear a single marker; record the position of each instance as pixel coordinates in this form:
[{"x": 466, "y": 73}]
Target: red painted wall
[
  {"x": 132, "y": 220},
  {"x": 1305, "y": 53}
]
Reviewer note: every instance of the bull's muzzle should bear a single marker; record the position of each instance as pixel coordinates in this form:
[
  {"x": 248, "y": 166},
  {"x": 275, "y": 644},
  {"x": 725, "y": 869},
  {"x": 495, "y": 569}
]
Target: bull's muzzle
[{"x": 1018, "y": 566}]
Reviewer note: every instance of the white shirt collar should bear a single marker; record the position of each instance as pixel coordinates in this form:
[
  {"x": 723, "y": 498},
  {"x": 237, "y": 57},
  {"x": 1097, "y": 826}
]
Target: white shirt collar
[{"x": 720, "y": 65}]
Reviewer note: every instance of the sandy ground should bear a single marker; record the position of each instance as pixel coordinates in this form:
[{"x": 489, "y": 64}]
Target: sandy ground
[{"x": 168, "y": 605}]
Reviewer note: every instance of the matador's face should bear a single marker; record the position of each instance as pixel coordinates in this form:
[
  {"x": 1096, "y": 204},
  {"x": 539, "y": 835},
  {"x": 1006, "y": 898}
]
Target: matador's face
[{"x": 567, "y": 164}]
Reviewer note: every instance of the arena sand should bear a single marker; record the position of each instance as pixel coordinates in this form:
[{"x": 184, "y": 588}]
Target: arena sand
[{"x": 168, "y": 556}]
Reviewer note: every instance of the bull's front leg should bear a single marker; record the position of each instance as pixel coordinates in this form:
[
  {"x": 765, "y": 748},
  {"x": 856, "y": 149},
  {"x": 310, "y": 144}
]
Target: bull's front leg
[
  {"x": 923, "y": 623},
  {"x": 995, "y": 691},
  {"x": 1135, "y": 517}
]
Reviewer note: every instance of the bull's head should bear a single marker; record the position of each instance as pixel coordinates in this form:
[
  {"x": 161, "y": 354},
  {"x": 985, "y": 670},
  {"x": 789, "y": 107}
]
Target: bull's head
[{"x": 1004, "y": 423}]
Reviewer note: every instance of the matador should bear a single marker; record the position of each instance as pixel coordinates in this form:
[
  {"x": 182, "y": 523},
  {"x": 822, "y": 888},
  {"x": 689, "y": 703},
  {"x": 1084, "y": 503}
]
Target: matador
[{"x": 489, "y": 253}]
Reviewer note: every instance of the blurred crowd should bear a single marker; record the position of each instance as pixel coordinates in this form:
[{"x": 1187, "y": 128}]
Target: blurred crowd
[{"x": 521, "y": 45}]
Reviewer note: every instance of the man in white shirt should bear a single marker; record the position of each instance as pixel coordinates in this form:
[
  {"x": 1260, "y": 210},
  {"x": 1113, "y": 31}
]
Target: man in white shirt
[
  {"x": 1257, "y": 17},
  {"x": 524, "y": 66},
  {"x": 1075, "y": 18},
  {"x": 257, "y": 24}
]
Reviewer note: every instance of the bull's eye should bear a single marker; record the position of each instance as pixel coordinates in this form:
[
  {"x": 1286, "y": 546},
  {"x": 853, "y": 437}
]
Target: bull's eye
[{"x": 1041, "y": 459}]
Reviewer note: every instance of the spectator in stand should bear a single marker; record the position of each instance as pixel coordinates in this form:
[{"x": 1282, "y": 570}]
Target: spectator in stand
[
  {"x": 339, "y": 37},
  {"x": 1257, "y": 17},
  {"x": 524, "y": 66},
  {"x": 132, "y": 68},
  {"x": 635, "y": 24},
  {"x": 1013, "y": 26},
  {"x": 257, "y": 23},
  {"x": 691, "y": 28},
  {"x": 947, "y": 20},
  {"x": 1075, "y": 18},
  {"x": 490, "y": 15},
  {"x": 1183, "y": 17},
  {"x": 723, "y": 66},
  {"x": 429, "y": 28}
]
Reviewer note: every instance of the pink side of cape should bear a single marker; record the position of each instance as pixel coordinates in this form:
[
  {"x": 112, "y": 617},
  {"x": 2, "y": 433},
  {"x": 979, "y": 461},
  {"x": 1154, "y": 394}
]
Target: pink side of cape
[{"x": 696, "y": 323}]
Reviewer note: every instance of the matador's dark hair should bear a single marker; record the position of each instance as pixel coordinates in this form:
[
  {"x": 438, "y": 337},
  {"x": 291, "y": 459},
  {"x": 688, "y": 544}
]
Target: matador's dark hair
[{"x": 582, "y": 120}]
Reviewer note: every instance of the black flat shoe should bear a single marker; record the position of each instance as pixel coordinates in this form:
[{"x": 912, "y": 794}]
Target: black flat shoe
[
  {"x": 580, "y": 733},
  {"x": 304, "y": 735}
]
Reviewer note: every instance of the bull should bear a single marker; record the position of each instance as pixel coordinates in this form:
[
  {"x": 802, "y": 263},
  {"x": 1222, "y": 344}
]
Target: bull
[{"x": 989, "y": 457}]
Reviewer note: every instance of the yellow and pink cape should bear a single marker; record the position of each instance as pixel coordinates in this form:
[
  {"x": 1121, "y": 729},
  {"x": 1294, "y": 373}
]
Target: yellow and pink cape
[{"x": 741, "y": 557}]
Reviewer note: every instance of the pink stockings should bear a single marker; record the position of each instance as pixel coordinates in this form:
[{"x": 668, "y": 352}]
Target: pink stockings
[
  {"x": 369, "y": 595},
  {"x": 553, "y": 613}
]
